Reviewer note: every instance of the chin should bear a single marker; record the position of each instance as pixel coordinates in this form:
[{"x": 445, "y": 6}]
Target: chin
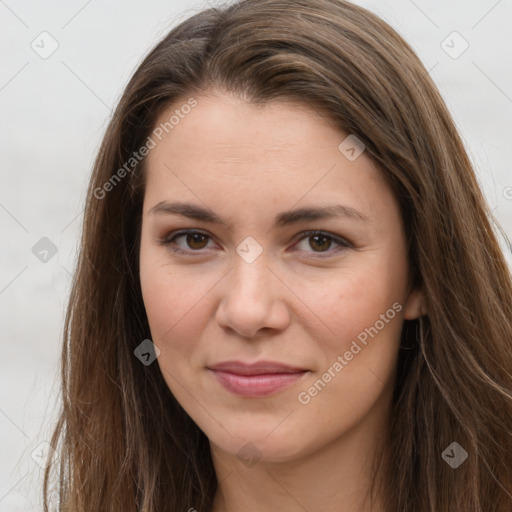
[
  {"x": 250, "y": 451},
  {"x": 259, "y": 442}
]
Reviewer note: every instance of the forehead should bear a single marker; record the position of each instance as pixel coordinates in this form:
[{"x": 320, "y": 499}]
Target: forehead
[{"x": 230, "y": 151}]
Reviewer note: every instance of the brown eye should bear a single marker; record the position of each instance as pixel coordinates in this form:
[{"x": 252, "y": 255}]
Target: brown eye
[
  {"x": 320, "y": 242},
  {"x": 196, "y": 240}
]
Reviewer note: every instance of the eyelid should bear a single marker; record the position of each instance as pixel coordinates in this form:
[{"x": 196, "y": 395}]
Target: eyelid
[
  {"x": 342, "y": 242},
  {"x": 168, "y": 240}
]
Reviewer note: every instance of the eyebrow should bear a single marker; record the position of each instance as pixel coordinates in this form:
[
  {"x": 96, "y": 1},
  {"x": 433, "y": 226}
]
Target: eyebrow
[{"x": 283, "y": 219}]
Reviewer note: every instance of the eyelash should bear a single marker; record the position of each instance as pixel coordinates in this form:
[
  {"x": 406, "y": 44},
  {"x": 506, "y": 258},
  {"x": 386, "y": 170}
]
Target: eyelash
[{"x": 306, "y": 234}]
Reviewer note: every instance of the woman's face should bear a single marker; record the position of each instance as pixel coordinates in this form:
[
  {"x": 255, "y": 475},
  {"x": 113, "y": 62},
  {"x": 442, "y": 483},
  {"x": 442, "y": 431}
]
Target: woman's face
[{"x": 251, "y": 283}]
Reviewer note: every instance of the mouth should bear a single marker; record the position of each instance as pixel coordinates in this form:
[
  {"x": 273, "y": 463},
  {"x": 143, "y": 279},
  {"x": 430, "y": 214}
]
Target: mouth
[{"x": 258, "y": 379}]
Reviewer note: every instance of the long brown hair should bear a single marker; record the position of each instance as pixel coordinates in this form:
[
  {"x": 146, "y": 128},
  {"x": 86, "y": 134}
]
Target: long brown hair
[{"x": 123, "y": 442}]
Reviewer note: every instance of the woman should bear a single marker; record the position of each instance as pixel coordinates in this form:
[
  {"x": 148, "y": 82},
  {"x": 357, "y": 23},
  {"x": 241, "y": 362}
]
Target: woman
[{"x": 289, "y": 292}]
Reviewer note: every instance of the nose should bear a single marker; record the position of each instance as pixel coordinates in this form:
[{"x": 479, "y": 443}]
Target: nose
[{"x": 253, "y": 299}]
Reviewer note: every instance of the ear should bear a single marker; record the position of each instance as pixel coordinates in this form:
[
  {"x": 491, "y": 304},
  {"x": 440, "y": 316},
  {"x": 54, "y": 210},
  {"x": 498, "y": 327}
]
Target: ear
[{"x": 416, "y": 305}]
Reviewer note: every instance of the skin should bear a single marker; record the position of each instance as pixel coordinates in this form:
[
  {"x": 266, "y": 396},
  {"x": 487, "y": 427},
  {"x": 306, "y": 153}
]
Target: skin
[{"x": 299, "y": 302}]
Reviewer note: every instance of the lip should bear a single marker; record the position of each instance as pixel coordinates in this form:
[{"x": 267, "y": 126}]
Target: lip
[{"x": 259, "y": 379}]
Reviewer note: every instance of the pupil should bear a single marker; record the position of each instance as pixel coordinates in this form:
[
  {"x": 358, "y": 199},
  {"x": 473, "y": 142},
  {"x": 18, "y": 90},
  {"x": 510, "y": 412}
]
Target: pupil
[
  {"x": 195, "y": 239},
  {"x": 326, "y": 239}
]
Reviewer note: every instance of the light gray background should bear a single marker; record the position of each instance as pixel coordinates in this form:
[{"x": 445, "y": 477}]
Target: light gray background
[{"x": 53, "y": 115}]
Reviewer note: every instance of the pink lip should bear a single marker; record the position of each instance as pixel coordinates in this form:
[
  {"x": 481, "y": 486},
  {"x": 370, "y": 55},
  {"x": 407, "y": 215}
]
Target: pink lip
[{"x": 257, "y": 379}]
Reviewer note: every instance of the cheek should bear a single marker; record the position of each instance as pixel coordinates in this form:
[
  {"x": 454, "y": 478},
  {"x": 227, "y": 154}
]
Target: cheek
[
  {"x": 169, "y": 310},
  {"x": 353, "y": 301},
  {"x": 363, "y": 311},
  {"x": 176, "y": 303}
]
